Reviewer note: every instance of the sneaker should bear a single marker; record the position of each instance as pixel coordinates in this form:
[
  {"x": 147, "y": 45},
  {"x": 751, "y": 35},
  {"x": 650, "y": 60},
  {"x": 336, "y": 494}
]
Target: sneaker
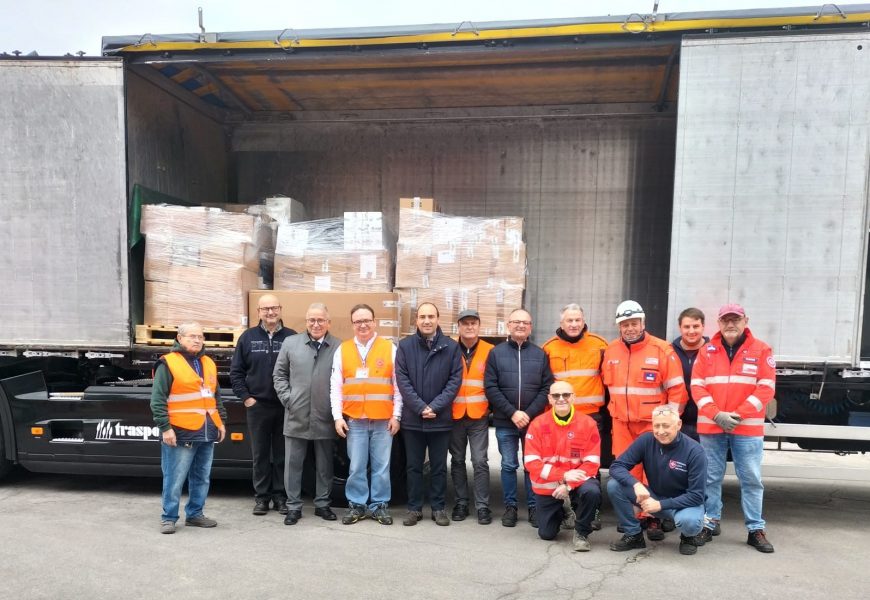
[
  {"x": 705, "y": 536},
  {"x": 353, "y": 514},
  {"x": 509, "y": 519},
  {"x": 484, "y": 516},
  {"x": 668, "y": 525},
  {"x": 628, "y": 542},
  {"x": 412, "y": 518},
  {"x": 596, "y": 520},
  {"x": 758, "y": 540},
  {"x": 261, "y": 506},
  {"x": 569, "y": 520},
  {"x": 200, "y": 521},
  {"x": 382, "y": 516},
  {"x": 533, "y": 517},
  {"x": 688, "y": 545},
  {"x": 654, "y": 530},
  {"x": 167, "y": 526},
  {"x": 460, "y": 511},
  {"x": 440, "y": 517},
  {"x": 581, "y": 544}
]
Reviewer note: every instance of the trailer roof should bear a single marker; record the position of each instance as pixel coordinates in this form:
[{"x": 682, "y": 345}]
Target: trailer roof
[{"x": 594, "y": 60}]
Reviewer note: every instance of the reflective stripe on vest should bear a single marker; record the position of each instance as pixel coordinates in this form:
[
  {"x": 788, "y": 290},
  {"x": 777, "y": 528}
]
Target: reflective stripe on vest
[
  {"x": 186, "y": 404},
  {"x": 471, "y": 399},
  {"x": 367, "y": 397},
  {"x": 571, "y": 362}
]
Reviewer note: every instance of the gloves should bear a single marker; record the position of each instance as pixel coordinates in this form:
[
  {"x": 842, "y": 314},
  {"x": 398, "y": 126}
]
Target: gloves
[{"x": 727, "y": 421}]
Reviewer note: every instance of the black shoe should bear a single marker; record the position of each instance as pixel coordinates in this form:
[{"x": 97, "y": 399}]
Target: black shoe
[
  {"x": 354, "y": 514},
  {"x": 668, "y": 525},
  {"x": 509, "y": 519},
  {"x": 717, "y": 530},
  {"x": 325, "y": 513},
  {"x": 460, "y": 511},
  {"x": 705, "y": 536},
  {"x": 758, "y": 540},
  {"x": 292, "y": 517},
  {"x": 654, "y": 530},
  {"x": 596, "y": 520},
  {"x": 533, "y": 517},
  {"x": 484, "y": 516},
  {"x": 281, "y": 505},
  {"x": 628, "y": 542},
  {"x": 261, "y": 506},
  {"x": 688, "y": 545}
]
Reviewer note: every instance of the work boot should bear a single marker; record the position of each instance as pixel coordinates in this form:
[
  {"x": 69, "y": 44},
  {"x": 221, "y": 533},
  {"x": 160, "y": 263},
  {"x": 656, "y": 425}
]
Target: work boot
[
  {"x": 354, "y": 514},
  {"x": 292, "y": 517},
  {"x": 581, "y": 543},
  {"x": 689, "y": 544},
  {"x": 460, "y": 511},
  {"x": 325, "y": 513},
  {"x": 412, "y": 518},
  {"x": 200, "y": 521},
  {"x": 280, "y": 504},
  {"x": 654, "y": 530},
  {"x": 167, "y": 526},
  {"x": 705, "y": 536},
  {"x": 261, "y": 506},
  {"x": 628, "y": 542},
  {"x": 758, "y": 540},
  {"x": 668, "y": 525},
  {"x": 509, "y": 519},
  {"x": 484, "y": 516},
  {"x": 569, "y": 518},
  {"x": 596, "y": 520},
  {"x": 533, "y": 517},
  {"x": 381, "y": 515},
  {"x": 440, "y": 517}
]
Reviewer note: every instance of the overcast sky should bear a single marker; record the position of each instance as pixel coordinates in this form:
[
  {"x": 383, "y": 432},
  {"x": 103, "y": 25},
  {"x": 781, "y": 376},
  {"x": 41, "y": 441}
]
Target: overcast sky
[{"x": 55, "y": 27}]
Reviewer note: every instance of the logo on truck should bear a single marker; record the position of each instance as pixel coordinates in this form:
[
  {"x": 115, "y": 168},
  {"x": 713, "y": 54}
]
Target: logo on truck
[{"x": 114, "y": 430}]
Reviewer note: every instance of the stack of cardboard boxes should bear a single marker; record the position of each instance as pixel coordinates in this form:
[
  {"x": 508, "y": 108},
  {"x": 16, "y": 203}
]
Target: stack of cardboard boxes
[
  {"x": 335, "y": 255},
  {"x": 459, "y": 263},
  {"x": 200, "y": 264}
]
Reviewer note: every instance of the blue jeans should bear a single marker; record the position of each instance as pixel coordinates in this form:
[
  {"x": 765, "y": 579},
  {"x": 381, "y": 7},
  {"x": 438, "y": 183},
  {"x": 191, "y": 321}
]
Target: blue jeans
[
  {"x": 185, "y": 462},
  {"x": 368, "y": 438},
  {"x": 746, "y": 451},
  {"x": 509, "y": 440},
  {"x": 690, "y": 520}
]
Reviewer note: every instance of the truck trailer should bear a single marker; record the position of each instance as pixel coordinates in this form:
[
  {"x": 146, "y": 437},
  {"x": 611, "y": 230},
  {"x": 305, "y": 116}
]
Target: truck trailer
[{"x": 682, "y": 159}]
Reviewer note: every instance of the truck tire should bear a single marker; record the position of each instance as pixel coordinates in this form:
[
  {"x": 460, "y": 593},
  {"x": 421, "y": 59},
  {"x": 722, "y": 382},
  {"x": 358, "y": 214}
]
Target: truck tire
[{"x": 5, "y": 465}]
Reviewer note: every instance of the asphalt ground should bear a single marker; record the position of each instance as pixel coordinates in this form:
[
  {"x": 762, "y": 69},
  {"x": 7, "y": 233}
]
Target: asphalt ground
[{"x": 97, "y": 537}]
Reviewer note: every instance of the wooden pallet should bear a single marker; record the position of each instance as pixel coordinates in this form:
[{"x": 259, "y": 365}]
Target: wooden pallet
[{"x": 164, "y": 335}]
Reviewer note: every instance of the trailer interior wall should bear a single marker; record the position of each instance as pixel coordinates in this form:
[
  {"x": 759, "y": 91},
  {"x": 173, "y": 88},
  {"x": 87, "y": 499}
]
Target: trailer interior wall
[
  {"x": 63, "y": 217},
  {"x": 595, "y": 192},
  {"x": 770, "y": 190}
]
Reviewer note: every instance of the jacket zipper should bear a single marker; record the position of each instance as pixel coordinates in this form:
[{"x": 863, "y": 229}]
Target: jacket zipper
[
  {"x": 627, "y": 377},
  {"x": 520, "y": 377}
]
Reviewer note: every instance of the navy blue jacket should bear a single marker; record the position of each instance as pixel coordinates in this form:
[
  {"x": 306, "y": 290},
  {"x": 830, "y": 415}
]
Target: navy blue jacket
[
  {"x": 517, "y": 378},
  {"x": 428, "y": 378},
  {"x": 676, "y": 472},
  {"x": 253, "y": 363},
  {"x": 690, "y": 414}
]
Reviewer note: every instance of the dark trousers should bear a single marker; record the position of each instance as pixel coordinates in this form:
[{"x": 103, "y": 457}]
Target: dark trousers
[
  {"x": 416, "y": 444},
  {"x": 473, "y": 433},
  {"x": 296, "y": 450},
  {"x": 266, "y": 428},
  {"x": 585, "y": 498}
]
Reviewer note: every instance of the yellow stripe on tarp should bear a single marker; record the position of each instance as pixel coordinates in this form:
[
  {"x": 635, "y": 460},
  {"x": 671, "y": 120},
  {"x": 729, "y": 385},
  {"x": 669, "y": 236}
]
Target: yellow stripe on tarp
[{"x": 509, "y": 33}]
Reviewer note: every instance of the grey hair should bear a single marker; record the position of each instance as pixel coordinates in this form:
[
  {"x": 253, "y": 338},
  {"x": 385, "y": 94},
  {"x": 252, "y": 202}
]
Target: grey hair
[
  {"x": 318, "y": 306},
  {"x": 571, "y": 306},
  {"x": 185, "y": 328}
]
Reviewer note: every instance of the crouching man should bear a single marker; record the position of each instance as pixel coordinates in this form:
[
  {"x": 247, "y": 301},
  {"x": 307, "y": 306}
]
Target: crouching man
[
  {"x": 562, "y": 456},
  {"x": 676, "y": 468}
]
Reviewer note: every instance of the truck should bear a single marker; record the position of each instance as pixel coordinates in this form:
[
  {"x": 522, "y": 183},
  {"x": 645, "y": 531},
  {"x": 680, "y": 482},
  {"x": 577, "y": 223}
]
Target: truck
[{"x": 682, "y": 159}]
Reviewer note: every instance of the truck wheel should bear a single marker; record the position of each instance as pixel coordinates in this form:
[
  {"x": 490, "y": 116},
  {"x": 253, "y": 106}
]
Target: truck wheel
[{"x": 5, "y": 465}]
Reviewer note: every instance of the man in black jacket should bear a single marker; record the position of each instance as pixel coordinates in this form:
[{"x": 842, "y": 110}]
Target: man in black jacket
[
  {"x": 517, "y": 380},
  {"x": 251, "y": 377},
  {"x": 428, "y": 373}
]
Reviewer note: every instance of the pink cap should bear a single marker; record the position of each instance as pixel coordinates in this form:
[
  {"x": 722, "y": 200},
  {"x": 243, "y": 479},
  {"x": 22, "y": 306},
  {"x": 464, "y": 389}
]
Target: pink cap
[{"x": 732, "y": 309}]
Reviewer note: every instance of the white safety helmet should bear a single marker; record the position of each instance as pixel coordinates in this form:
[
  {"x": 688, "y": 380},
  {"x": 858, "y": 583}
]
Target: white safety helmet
[{"x": 629, "y": 309}]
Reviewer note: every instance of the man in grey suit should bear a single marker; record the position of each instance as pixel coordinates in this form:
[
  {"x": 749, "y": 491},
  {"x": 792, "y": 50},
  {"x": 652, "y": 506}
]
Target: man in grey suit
[{"x": 301, "y": 379}]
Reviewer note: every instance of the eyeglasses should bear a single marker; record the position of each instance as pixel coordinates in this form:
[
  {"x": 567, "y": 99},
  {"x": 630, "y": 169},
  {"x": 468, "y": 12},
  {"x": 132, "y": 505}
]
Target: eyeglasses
[
  {"x": 317, "y": 321},
  {"x": 562, "y": 395},
  {"x": 270, "y": 308},
  {"x": 523, "y": 323},
  {"x": 664, "y": 410},
  {"x": 193, "y": 336},
  {"x": 362, "y": 322}
]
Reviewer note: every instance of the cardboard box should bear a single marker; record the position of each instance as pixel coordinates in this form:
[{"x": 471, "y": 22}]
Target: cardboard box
[
  {"x": 364, "y": 231},
  {"x": 415, "y": 218},
  {"x": 173, "y": 302},
  {"x": 295, "y": 304},
  {"x": 446, "y": 300},
  {"x": 419, "y": 204}
]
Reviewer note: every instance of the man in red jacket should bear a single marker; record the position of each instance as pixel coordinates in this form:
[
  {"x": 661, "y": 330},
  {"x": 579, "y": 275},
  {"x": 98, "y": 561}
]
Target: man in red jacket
[
  {"x": 732, "y": 382},
  {"x": 562, "y": 456}
]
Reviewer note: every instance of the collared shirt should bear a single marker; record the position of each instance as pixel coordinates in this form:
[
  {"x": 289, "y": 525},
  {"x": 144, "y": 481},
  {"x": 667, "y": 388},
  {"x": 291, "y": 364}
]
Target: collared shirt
[
  {"x": 336, "y": 380},
  {"x": 278, "y": 328}
]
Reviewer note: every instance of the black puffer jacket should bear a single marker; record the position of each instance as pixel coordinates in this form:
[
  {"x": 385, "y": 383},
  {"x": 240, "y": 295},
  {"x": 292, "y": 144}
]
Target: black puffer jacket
[
  {"x": 428, "y": 378},
  {"x": 517, "y": 378}
]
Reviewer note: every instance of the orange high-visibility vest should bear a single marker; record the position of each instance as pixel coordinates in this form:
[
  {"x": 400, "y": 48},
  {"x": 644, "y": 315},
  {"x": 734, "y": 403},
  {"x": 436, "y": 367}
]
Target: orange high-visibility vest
[
  {"x": 580, "y": 365},
  {"x": 471, "y": 399},
  {"x": 367, "y": 397},
  {"x": 186, "y": 404}
]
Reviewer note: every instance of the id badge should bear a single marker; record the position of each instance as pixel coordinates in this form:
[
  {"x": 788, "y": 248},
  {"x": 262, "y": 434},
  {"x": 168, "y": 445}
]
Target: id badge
[
  {"x": 362, "y": 373},
  {"x": 206, "y": 392}
]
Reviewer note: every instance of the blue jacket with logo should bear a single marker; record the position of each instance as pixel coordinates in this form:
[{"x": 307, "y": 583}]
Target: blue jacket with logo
[{"x": 253, "y": 362}]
